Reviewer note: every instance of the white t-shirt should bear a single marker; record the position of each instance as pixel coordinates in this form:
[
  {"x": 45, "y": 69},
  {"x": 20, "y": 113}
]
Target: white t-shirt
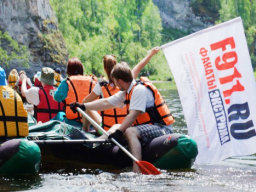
[
  {"x": 141, "y": 99},
  {"x": 98, "y": 90},
  {"x": 32, "y": 95}
]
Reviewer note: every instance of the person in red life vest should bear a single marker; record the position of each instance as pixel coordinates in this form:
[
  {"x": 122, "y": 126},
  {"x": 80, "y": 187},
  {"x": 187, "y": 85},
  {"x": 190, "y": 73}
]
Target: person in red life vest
[
  {"x": 149, "y": 116},
  {"x": 74, "y": 89},
  {"x": 106, "y": 88},
  {"x": 46, "y": 107},
  {"x": 37, "y": 82},
  {"x": 19, "y": 83}
]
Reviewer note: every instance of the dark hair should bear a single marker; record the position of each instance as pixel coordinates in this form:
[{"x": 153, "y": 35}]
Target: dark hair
[
  {"x": 122, "y": 71},
  {"x": 74, "y": 67},
  {"x": 109, "y": 61}
]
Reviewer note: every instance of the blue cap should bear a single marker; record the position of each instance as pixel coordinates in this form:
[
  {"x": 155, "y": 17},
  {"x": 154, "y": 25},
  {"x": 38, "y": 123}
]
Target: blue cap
[{"x": 2, "y": 77}]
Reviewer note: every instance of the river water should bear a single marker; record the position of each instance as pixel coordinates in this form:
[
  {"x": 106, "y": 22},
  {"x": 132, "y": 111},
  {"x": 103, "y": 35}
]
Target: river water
[{"x": 234, "y": 174}]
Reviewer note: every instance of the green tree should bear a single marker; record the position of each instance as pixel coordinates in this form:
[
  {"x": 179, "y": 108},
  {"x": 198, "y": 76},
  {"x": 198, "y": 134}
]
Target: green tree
[
  {"x": 247, "y": 10},
  {"x": 94, "y": 28}
]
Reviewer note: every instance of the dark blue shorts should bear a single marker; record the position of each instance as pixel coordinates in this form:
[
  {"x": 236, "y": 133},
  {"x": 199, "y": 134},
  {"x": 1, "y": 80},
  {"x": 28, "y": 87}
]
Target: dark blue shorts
[{"x": 148, "y": 132}]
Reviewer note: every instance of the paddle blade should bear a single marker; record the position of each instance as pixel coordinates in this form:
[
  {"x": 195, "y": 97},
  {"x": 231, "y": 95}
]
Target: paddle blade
[{"x": 147, "y": 168}]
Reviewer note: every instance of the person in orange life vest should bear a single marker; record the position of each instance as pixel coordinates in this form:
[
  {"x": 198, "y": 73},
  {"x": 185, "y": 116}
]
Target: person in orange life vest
[
  {"x": 19, "y": 83},
  {"x": 13, "y": 78},
  {"x": 13, "y": 116},
  {"x": 105, "y": 89},
  {"x": 37, "y": 82},
  {"x": 149, "y": 117},
  {"x": 46, "y": 107},
  {"x": 74, "y": 89},
  {"x": 57, "y": 76}
]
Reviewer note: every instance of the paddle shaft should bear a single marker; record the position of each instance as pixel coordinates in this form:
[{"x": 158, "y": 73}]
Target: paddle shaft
[
  {"x": 106, "y": 133},
  {"x": 60, "y": 142}
]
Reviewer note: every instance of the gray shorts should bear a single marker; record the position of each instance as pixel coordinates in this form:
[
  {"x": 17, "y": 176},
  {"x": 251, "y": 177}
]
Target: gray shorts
[{"x": 148, "y": 132}]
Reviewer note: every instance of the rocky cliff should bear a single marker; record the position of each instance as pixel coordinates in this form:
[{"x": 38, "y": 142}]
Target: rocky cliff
[
  {"x": 178, "y": 14},
  {"x": 32, "y": 23}
]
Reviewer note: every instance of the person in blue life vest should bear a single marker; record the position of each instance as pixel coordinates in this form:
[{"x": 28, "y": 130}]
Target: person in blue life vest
[
  {"x": 148, "y": 115},
  {"x": 13, "y": 116},
  {"x": 45, "y": 107},
  {"x": 106, "y": 88}
]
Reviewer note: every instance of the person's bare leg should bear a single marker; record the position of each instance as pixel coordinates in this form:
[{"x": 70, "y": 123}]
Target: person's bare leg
[
  {"x": 132, "y": 136},
  {"x": 95, "y": 116}
]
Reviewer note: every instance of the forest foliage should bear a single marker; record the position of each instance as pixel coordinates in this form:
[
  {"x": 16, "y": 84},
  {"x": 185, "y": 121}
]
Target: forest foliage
[{"x": 128, "y": 29}]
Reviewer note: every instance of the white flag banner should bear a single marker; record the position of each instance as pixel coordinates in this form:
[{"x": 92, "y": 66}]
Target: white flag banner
[{"x": 213, "y": 73}]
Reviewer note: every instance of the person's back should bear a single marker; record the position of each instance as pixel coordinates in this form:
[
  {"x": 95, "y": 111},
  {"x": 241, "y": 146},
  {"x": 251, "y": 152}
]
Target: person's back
[
  {"x": 79, "y": 87},
  {"x": 13, "y": 116},
  {"x": 113, "y": 116},
  {"x": 46, "y": 107}
]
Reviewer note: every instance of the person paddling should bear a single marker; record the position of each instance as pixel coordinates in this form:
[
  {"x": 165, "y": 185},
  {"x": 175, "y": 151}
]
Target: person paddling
[
  {"x": 46, "y": 107},
  {"x": 106, "y": 88},
  {"x": 149, "y": 117}
]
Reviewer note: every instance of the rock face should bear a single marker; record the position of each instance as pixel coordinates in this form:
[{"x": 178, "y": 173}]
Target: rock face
[
  {"x": 33, "y": 23},
  {"x": 179, "y": 15}
]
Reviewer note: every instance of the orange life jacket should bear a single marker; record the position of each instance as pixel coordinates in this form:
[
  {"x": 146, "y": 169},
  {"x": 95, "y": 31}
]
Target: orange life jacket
[
  {"x": 159, "y": 113},
  {"x": 47, "y": 107},
  {"x": 13, "y": 116},
  {"x": 79, "y": 87},
  {"x": 114, "y": 116}
]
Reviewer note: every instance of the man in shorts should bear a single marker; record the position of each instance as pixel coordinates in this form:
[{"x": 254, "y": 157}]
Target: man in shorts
[{"x": 148, "y": 117}]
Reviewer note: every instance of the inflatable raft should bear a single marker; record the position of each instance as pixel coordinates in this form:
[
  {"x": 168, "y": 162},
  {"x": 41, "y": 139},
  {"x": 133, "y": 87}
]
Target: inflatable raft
[
  {"x": 19, "y": 157},
  {"x": 65, "y": 142}
]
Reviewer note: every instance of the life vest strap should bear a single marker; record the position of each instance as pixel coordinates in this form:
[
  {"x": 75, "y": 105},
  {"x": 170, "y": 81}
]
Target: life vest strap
[
  {"x": 16, "y": 113},
  {"x": 107, "y": 115},
  {"x": 3, "y": 116},
  {"x": 47, "y": 111},
  {"x": 13, "y": 118}
]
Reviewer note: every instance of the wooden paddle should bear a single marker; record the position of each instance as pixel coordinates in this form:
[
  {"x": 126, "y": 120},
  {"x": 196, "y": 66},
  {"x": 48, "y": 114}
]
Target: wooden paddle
[{"x": 145, "y": 167}]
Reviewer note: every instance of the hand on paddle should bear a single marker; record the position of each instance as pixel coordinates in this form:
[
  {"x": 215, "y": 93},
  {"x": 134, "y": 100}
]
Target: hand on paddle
[
  {"x": 117, "y": 135},
  {"x": 73, "y": 106}
]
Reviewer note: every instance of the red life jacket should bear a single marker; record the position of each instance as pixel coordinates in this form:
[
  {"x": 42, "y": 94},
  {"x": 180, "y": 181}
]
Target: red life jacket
[
  {"x": 159, "y": 113},
  {"x": 47, "y": 107},
  {"x": 37, "y": 83},
  {"x": 114, "y": 116},
  {"x": 79, "y": 87}
]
